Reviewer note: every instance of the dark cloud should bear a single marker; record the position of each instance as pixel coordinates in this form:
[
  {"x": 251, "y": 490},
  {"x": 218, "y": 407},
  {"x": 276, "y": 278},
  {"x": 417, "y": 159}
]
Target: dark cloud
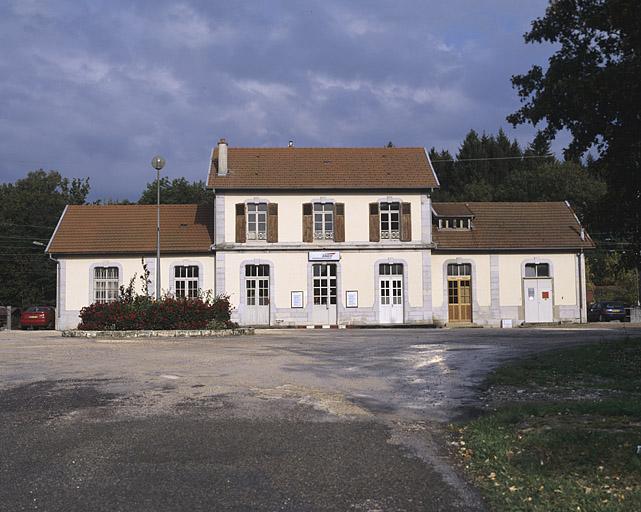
[{"x": 96, "y": 89}]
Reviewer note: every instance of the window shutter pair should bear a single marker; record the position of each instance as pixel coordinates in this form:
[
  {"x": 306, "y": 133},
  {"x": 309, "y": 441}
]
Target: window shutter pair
[
  {"x": 405, "y": 222},
  {"x": 272, "y": 223},
  {"x": 339, "y": 222}
]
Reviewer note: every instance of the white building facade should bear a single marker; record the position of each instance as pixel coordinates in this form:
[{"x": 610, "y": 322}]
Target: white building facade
[{"x": 336, "y": 237}]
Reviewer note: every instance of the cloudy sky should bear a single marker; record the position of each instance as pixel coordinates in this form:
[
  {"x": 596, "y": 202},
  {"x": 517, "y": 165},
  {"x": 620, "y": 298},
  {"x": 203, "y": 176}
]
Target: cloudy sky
[{"x": 97, "y": 88}]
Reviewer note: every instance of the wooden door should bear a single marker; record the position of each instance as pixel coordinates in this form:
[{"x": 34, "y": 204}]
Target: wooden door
[{"x": 459, "y": 299}]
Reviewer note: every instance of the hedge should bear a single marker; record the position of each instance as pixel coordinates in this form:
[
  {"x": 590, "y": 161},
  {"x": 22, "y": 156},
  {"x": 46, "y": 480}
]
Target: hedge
[{"x": 141, "y": 312}]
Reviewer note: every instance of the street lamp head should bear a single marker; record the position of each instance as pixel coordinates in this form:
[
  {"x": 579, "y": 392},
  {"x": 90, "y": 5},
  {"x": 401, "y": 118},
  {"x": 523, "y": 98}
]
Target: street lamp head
[{"x": 157, "y": 162}]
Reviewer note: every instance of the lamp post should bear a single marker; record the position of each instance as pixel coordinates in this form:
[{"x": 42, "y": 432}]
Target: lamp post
[{"x": 158, "y": 163}]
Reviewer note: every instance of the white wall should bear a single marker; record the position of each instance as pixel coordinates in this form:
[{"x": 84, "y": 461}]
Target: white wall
[
  {"x": 290, "y": 213},
  {"x": 76, "y": 287},
  {"x": 562, "y": 270}
]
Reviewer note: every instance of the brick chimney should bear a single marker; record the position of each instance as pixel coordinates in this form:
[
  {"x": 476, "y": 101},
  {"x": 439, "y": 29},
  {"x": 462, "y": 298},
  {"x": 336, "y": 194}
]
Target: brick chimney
[{"x": 222, "y": 157}]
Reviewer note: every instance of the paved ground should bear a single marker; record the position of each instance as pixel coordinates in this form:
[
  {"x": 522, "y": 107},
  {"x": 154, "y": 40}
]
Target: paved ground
[{"x": 283, "y": 420}]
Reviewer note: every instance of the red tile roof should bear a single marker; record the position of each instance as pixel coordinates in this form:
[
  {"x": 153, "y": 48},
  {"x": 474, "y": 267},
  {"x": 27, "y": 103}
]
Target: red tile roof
[
  {"x": 109, "y": 229},
  {"x": 324, "y": 168},
  {"x": 511, "y": 226}
]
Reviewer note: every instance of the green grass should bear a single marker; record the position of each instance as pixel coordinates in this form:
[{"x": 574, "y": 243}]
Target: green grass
[
  {"x": 578, "y": 455},
  {"x": 612, "y": 365}
]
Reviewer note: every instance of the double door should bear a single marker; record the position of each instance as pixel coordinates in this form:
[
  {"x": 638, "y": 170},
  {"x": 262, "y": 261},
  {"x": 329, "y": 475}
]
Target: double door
[
  {"x": 324, "y": 294},
  {"x": 538, "y": 300},
  {"x": 390, "y": 293},
  {"x": 257, "y": 294},
  {"x": 459, "y": 299}
]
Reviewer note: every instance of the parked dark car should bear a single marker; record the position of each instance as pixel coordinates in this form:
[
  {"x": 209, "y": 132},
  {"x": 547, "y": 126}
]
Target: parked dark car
[
  {"x": 606, "y": 311},
  {"x": 15, "y": 317},
  {"x": 38, "y": 316}
]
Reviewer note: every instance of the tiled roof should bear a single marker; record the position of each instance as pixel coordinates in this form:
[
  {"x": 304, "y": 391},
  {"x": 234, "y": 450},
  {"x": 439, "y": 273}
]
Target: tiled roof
[
  {"x": 324, "y": 168},
  {"x": 109, "y": 229},
  {"x": 452, "y": 210},
  {"x": 510, "y": 226}
]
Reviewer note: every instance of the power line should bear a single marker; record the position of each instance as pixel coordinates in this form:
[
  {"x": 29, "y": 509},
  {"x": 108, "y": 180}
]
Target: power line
[
  {"x": 457, "y": 160},
  {"x": 26, "y": 225},
  {"x": 23, "y": 237}
]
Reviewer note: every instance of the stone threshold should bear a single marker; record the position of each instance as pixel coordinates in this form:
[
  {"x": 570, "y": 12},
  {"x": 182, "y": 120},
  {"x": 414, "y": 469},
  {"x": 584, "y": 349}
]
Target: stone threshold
[{"x": 178, "y": 333}]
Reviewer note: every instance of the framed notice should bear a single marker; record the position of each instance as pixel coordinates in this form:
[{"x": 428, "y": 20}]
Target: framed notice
[
  {"x": 297, "y": 300},
  {"x": 351, "y": 299}
]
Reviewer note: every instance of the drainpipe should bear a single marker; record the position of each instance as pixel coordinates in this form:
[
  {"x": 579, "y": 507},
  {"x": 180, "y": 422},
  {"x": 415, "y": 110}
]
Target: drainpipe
[
  {"x": 580, "y": 288},
  {"x": 213, "y": 245},
  {"x": 57, "y": 262}
]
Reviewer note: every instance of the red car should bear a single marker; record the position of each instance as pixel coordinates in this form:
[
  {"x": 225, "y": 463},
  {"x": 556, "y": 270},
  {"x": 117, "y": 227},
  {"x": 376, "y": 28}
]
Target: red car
[{"x": 38, "y": 316}]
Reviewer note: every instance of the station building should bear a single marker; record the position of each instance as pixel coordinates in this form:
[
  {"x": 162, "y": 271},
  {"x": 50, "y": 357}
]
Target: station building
[{"x": 333, "y": 237}]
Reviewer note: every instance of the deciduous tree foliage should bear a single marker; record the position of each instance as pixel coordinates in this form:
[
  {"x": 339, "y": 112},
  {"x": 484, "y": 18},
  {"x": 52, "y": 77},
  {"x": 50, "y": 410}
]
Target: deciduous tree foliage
[
  {"x": 29, "y": 211},
  {"x": 176, "y": 191},
  {"x": 592, "y": 88}
]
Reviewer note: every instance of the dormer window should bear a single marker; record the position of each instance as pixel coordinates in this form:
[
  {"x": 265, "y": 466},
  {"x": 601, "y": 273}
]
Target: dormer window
[{"x": 454, "y": 223}]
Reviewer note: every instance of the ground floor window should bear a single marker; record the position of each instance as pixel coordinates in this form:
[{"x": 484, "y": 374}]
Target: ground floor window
[
  {"x": 456, "y": 269},
  {"x": 186, "y": 281},
  {"x": 105, "y": 284},
  {"x": 537, "y": 270},
  {"x": 388, "y": 269},
  {"x": 257, "y": 285}
]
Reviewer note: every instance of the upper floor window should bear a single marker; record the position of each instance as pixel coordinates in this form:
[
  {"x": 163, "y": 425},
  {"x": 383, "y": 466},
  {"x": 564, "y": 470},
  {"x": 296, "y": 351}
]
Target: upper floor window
[
  {"x": 186, "y": 281},
  {"x": 256, "y": 221},
  {"x": 105, "y": 284},
  {"x": 390, "y": 221},
  {"x": 323, "y": 221},
  {"x": 537, "y": 270},
  {"x": 454, "y": 223}
]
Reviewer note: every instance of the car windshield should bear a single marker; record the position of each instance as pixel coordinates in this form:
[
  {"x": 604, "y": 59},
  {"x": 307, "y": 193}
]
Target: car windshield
[
  {"x": 614, "y": 305},
  {"x": 37, "y": 309}
]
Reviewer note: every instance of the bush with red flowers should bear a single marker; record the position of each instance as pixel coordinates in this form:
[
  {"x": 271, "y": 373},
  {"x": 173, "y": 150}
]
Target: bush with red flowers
[{"x": 131, "y": 312}]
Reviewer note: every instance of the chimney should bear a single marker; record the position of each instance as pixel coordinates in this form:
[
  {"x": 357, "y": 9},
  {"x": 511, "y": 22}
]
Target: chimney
[{"x": 222, "y": 157}]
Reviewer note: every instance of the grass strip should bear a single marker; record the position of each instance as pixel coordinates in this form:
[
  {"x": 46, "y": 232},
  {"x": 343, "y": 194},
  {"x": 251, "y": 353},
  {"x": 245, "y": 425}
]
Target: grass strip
[{"x": 578, "y": 455}]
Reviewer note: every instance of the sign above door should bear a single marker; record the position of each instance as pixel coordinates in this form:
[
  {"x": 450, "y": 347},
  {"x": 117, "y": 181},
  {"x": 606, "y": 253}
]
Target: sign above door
[{"x": 324, "y": 256}]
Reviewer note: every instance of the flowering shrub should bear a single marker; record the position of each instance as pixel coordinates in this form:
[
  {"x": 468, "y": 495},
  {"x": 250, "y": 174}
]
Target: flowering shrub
[{"x": 131, "y": 312}]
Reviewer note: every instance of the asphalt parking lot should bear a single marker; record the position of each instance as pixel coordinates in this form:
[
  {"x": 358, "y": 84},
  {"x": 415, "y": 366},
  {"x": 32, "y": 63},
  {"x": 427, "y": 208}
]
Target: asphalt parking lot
[{"x": 282, "y": 420}]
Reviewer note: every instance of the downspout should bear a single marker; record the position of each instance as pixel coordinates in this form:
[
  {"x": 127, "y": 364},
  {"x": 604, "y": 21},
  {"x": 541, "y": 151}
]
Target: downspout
[
  {"x": 213, "y": 245},
  {"x": 57, "y": 262},
  {"x": 581, "y": 281}
]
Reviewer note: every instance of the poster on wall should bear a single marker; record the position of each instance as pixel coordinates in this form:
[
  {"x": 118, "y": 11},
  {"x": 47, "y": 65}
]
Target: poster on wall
[
  {"x": 297, "y": 300},
  {"x": 351, "y": 299}
]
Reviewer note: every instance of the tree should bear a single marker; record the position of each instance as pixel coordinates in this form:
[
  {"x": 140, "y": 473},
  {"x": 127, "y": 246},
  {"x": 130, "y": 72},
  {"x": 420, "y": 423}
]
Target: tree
[
  {"x": 177, "y": 191},
  {"x": 592, "y": 88},
  {"x": 29, "y": 211}
]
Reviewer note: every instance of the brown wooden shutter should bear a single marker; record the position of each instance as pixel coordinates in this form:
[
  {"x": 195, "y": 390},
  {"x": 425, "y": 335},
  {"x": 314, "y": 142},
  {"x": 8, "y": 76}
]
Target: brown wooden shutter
[
  {"x": 308, "y": 222},
  {"x": 374, "y": 223},
  {"x": 272, "y": 222},
  {"x": 406, "y": 222},
  {"x": 241, "y": 224},
  {"x": 339, "y": 222}
]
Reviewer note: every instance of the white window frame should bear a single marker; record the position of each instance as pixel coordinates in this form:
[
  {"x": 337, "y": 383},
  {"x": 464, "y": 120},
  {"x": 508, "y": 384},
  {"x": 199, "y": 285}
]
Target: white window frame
[
  {"x": 323, "y": 216},
  {"x": 186, "y": 285},
  {"x": 106, "y": 287},
  {"x": 256, "y": 216},
  {"x": 390, "y": 216}
]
